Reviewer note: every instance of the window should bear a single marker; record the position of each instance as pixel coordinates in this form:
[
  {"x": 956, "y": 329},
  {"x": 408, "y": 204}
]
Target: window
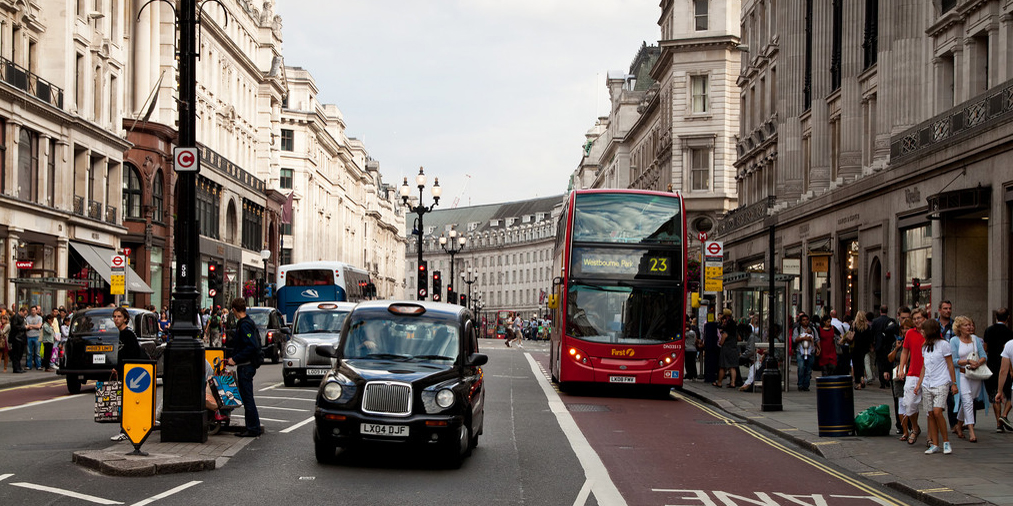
[
  {"x": 700, "y": 14},
  {"x": 286, "y": 229},
  {"x": 835, "y": 50},
  {"x": 698, "y": 84},
  {"x": 131, "y": 192},
  {"x": 700, "y": 169},
  {"x": 158, "y": 197},
  {"x": 253, "y": 215},
  {"x": 807, "y": 84},
  {"x": 286, "y": 179},
  {"x": 28, "y": 165},
  {"x": 916, "y": 253},
  {"x": 51, "y": 174},
  {"x": 209, "y": 195},
  {"x": 287, "y": 140},
  {"x": 870, "y": 41}
]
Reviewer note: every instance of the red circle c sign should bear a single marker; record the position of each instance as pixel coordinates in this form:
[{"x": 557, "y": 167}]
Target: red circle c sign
[{"x": 185, "y": 159}]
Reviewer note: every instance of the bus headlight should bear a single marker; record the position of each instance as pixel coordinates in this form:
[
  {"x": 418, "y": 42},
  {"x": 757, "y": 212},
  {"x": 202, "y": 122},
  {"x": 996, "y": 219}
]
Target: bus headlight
[
  {"x": 332, "y": 391},
  {"x": 445, "y": 398},
  {"x": 578, "y": 355}
]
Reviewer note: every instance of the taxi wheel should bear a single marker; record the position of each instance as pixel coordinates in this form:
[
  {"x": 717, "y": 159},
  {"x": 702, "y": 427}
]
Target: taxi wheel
[
  {"x": 276, "y": 355},
  {"x": 73, "y": 384},
  {"x": 324, "y": 451},
  {"x": 290, "y": 381}
]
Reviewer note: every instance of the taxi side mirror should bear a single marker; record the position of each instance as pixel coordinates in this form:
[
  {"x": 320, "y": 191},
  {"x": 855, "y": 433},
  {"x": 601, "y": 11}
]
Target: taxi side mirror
[
  {"x": 326, "y": 351},
  {"x": 476, "y": 359}
]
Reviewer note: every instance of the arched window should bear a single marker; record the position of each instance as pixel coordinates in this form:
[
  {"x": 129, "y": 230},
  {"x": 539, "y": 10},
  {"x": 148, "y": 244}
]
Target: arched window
[
  {"x": 131, "y": 192},
  {"x": 231, "y": 223},
  {"x": 158, "y": 198},
  {"x": 28, "y": 165}
]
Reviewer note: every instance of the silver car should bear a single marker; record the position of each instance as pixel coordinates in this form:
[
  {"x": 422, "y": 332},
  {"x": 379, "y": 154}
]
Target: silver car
[{"x": 314, "y": 324}]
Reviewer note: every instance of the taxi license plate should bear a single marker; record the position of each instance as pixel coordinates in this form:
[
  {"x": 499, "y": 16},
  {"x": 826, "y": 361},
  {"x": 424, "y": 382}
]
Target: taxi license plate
[
  {"x": 374, "y": 429},
  {"x": 622, "y": 379},
  {"x": 316, "y": 372},
  {"x": 98, "y": 348}
]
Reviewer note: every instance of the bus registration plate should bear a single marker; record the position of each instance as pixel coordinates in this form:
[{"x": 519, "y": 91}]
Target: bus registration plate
[
  {"x": 622, "y": 379},
  {"x": 374, "y": 429}
]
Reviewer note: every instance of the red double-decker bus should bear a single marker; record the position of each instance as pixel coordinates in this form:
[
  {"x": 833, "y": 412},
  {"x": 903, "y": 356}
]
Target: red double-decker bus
[{"x": 619, "y": 299}]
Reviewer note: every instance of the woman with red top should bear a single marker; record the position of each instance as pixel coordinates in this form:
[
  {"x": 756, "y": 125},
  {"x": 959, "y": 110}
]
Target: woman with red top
[{"x": 827, "y": 358}]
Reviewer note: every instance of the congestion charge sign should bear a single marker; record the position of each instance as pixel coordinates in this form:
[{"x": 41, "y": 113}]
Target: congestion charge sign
[{"x": 187, "y": 159}]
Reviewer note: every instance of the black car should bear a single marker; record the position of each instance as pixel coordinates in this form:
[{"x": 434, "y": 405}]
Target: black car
[
  {"x": 91, "y": 349},
  {"x": 407, "y": 373},
  {"x": 273, "y": 333}
]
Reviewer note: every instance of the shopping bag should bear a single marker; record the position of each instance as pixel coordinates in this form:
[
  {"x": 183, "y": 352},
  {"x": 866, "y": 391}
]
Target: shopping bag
[
  {"x": 874, "y": 421},
  {"x": 108, "y": 400},
  {"x": 226, "y": 389}
]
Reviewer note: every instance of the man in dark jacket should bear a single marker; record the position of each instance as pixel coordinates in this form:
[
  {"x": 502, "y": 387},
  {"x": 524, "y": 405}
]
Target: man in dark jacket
[
  {"x": 130, "y": 348},
  {"x": 996, "y": 337},
  {"x": 884, "y": 331},
  {"x": 247, "y": 358},
  {"x": 18, "y": 338}
]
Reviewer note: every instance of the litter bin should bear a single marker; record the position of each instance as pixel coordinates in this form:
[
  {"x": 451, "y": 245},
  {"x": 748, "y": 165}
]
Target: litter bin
[{"x": 835, "y": 406}]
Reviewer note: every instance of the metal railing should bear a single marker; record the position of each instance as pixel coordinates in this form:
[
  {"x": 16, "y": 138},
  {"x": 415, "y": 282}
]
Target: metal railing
[
  {"x": 746, "y": 215},
  {"x": 19, "y": 77},
  {"x": 78, "y": 205},
  {"x": 94, "y": 210},
  {"x": 110, "y": 214}
]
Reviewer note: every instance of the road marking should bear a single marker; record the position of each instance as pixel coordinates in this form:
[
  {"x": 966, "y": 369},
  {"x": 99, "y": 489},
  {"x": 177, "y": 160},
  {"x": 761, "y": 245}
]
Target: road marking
[
  {"x": 296, "y": 426},
  {"x": 167, "y": 493},
  {"x": 261, "y": 418},
  {"x": 585, "y": 491},
  {"x": 5, "y": 476},
  {"x": 880, "y": 497},
  {"x": 286, "y": 398},
  {"x": 36, "y": 403},
  {"x": 36, "y": 385},
  {"x": 284, "y": 409},
  {"x": 68, "y": 493},
  {"x": 935, "y": 490},
  {"x": 272, "y": 387},
  {"x": 605, "y": 491}
]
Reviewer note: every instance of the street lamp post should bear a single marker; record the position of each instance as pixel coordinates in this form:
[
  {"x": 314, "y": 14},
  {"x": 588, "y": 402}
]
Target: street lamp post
[
  {"x": 771, "y": 371},
  {"x": 469, "y": 278},
  {"x": 419, "y": 209},
  {"x": 455, "y": 247},
  {"x": 265, "y": 254}
]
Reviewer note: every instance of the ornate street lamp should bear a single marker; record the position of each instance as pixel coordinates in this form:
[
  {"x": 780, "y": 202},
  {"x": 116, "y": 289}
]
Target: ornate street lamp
[
  {"x": 265, "y": 254},
  {"x": 416, "y": 206},
  {"x": 455, "y": 247},
  {"x": 469, "y": 278}
]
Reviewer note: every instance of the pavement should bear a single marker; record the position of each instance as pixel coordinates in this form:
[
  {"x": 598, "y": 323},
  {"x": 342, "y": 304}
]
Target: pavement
[{"x": 975, "y": 473}]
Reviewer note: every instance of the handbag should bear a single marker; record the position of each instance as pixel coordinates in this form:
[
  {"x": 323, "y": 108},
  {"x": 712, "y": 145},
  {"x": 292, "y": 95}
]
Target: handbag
[
  {"x": 981, "y": 373},
  {"x": 225, "y": 388},
  {"x": 896, "y": 374},
  {"x": 109, "y": 400}
]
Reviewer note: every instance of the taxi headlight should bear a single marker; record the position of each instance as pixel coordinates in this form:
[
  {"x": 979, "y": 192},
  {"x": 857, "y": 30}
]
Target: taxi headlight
[
  {"x": 290, "y": 350},
  {"x": 445, "y": 398},
  {"x": 332, "y": 391}
]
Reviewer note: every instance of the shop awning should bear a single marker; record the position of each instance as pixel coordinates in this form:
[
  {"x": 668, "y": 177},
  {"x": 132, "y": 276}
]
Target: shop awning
[
  {"x": 753, "y": 280},
  {"x": 52, "y": 283},
  {"x": 98, "y": 258}
]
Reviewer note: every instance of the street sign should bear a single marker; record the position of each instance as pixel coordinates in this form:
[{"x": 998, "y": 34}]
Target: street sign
[
  {"x": 702, "y": 236},
  {"x": 714, "y": 249},
  {"x": 187, "y": 159},
  {"x": 118, "y": 261},
  {"x": 138, "y": 401},
  {"x": 713, "y": 262},
  {"x": 117, "y": 284}
]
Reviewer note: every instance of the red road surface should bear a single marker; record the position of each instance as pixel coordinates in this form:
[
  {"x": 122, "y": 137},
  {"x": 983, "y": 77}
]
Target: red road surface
[{"x": 42, "y": 391}]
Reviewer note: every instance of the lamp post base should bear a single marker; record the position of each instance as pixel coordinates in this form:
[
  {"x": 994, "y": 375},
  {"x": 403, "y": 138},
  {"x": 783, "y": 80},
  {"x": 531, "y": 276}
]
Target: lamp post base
[{"x": 771, "y": 386}]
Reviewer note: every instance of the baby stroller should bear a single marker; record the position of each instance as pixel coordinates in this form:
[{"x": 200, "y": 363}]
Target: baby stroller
[{"x": 222, "y": 396}]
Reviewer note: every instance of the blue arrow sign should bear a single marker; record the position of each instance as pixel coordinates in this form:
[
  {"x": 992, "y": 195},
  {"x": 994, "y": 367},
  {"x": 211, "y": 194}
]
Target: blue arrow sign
[{"x": 138, "y": 380}]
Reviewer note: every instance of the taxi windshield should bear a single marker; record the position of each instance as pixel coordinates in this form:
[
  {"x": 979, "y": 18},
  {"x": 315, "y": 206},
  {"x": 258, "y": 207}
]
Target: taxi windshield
[
  {"x": 93, "y": 324},
  {"x": 319, "y": 322},
  {"x": 408, "y": 339}
]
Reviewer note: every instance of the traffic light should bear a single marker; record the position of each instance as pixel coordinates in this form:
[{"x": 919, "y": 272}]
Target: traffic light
[
  {"x": 214, "y": 278},
  {"x": 437, "y": 286},
  {"x": 450, "y": 291},
  {"x": 423, "y": 280},
  {"x": 464, "y": 300}
]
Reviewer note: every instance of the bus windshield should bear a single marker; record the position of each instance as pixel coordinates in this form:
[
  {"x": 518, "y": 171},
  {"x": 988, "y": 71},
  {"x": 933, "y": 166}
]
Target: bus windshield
[
  {"x": 627, "y": 218},
  {"x": 624, "y": 314}
]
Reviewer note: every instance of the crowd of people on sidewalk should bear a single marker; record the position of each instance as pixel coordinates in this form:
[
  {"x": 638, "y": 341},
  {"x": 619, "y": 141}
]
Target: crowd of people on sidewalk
[
  {"x": 30, "y": 338},
  {"x": 936, "y": 365}
]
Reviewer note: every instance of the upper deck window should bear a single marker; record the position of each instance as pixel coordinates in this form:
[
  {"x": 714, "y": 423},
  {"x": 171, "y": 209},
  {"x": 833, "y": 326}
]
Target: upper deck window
[{"x": 627, "y": 218}]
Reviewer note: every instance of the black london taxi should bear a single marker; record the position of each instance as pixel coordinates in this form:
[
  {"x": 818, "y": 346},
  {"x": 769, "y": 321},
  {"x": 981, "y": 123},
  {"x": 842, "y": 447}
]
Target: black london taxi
[
  {"x": 94, "y": 342},
  {"x": 408, "y": 373}
]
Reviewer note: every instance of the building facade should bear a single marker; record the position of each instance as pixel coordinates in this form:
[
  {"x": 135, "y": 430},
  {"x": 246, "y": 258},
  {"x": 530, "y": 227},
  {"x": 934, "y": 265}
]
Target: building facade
[
  {"x": 341, "y": 207},
  {"x": 675, "y": 115},
  {"x": 507, "y": 254},
  {"x": 885, "y": 174}
]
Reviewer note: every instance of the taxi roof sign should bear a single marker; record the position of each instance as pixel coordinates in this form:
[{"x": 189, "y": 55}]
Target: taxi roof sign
[{"x": 138, "y": 401}]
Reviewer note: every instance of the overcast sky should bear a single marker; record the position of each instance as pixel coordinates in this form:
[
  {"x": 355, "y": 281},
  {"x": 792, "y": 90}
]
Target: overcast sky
[{"x": 501, "y": 90}]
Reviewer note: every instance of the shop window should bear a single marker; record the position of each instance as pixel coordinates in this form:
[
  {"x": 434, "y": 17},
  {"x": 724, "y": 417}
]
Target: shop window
[{"x": 916, "y": 255}]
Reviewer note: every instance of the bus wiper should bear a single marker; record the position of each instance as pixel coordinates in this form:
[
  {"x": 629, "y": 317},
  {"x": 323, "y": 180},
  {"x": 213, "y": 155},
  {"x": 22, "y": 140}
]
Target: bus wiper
[
  {"x": 433, "y": 357},
  {"x": 388, "y": 356}
]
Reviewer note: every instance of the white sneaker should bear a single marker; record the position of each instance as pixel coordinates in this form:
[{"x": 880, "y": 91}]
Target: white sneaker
[
  {"x": 946, "y": 448},
  {"x": 119, "y": 437},
  {"x": 933, "y": 449}
]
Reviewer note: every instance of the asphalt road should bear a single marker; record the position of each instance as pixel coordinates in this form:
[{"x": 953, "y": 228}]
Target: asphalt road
[{"x": 539, "y": 447}]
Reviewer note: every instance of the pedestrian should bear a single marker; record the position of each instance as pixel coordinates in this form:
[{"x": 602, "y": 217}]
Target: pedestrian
[
  {"x": 748, "y": 358},
  {"x": 862, "y": 347},
  {"x": 33, "y": 326},
  {"x": 5, "y": 332},
  {"x": 48, "y": 341},
  {"x": 247, "y": 358},
  {"x": 897, "y": 380},
  {"x": 996, "y": 337},
  {"x": 937, "y": 377},
  {"x": 690, "y": 352},
  {"x": 130, "y": 349},
  {"x": 911, "y": 363},
  {"x": 509, "y": 336},
  {"x": 729, "y": 359},
  {"x": 711, "y": 351},
  {"x": 884, "y": 335},
  {"x": 806, "y": 349},
  {"x": 18, "y": 338},
  {"x": 962, "y": 345},
  {"x": 826, "y": 354}
]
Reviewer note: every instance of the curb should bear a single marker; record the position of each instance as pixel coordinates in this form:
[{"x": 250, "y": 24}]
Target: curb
[
  {"x": 164, "y": 458},
  {"x": 925, "y": 491}
]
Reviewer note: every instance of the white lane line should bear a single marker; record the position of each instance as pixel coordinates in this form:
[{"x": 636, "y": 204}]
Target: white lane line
[
  {"x": 605, "y": 491},
  {"x": 261, "y": 418},
  {"x": 36, "y": 403},
  {"x": 272, "y": 387},
  {"x": 5, "y": 476},
  {"x": 68, "y": 493},
  {"x": 167, "y": 493},
  {"x": 286, "y": 398},
  {"x": 284, "y": 409},
  {"x": 296, "y": 426},
  {"x": 585, "y": 491}
]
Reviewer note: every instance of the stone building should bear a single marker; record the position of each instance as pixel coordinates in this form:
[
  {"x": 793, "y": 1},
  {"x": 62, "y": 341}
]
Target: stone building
[
  {"x": 342, "y": 209},
  {"x": 879, "y": 150},
  {"x": 674, "y": 116},
  {"x": 508, "y": 250}
]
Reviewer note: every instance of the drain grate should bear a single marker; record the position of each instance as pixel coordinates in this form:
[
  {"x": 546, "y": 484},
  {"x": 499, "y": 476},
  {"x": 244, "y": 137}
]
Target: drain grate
[{"x": 587, "y": 408}]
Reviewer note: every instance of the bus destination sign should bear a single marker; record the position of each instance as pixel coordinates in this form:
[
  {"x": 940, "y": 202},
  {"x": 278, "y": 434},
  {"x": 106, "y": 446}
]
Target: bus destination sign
[{"x": 626, "y": 264}]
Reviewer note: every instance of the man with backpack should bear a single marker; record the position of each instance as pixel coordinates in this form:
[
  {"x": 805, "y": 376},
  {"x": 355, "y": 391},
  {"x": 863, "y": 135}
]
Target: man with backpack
[{"x": 247, "y": 358}]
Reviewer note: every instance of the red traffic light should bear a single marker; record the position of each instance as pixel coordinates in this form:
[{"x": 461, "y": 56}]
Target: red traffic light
[{"x": 212, "y": 267}]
